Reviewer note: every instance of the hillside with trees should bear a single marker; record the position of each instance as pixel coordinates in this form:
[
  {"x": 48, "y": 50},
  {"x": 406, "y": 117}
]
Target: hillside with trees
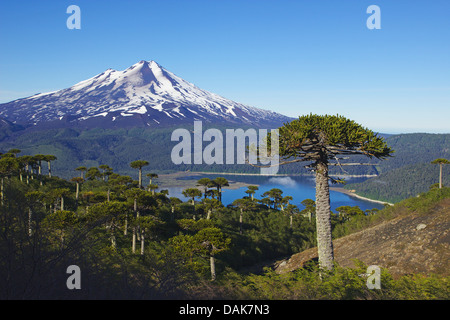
[
  {"x": 132, "y": 242},
  {"x": 401, "y": 183}
]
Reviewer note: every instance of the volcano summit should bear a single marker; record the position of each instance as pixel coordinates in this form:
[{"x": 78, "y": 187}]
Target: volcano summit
[{"x": 144, "y": 94}]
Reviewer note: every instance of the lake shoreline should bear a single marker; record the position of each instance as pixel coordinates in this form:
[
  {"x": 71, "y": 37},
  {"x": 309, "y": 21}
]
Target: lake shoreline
[
  {"x": 171, "y": 180},
  {"x": 352, "y": 193},
  {"x": 184, "y": 180},
  {"x": 282, "y": 174}
]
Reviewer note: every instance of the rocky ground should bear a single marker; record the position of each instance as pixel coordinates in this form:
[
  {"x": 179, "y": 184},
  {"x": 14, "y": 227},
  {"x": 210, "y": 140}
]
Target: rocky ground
[{"x": 411, "y": 243}]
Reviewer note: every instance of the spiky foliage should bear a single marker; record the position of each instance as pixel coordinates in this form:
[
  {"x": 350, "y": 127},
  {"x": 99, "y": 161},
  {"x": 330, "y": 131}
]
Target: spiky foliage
[{"x": 320, "y": 139}]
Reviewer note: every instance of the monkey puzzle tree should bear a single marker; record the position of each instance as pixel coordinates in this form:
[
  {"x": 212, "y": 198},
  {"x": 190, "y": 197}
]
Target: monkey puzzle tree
[
  {"x": 138, "y": 164},
  {"x": 243, "y": 204},
  {"x": 14, "y": 152},
  {"x": 49, "y": 158},
  {"x": 291, "y": 210},
  {"x": 192, "y": 193},
  {"x": 251, "y": 190},
  {"x": 219, "y": 183},
  {"x": 276, "y": 195},
  {"x": 174, "y": 202},
  {"x": 59, "y": 226},
  {"x": 110, "y": 215},
  {"x": 209, "y": 205},
  {"x": 7, "y": 167},
  {"x": 39, "y": 158},
  {"x": 59, "y": 194},
  {"x": 440, "y": 162},
  {"x": 151, "y": 176},
  {"x": 310, "y": 208},
  {"x": 346, "y": 212},
  {"x": 133, "y": 194},
  {"x": 77, "y": 180},
  {"x": 93, "y": 174},
  {"x": 213, "y": 241},
  {"x": 106, "y": 171},
  {"x": 26, "y": 161},
  {"x": 319, "y": 139},
  {"x": 82, "y": 169},
  {"x": 205, "y": 183}
]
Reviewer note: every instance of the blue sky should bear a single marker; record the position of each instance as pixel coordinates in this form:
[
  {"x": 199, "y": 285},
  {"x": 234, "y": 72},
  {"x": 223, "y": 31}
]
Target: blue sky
[{"x": 289, "y": 56}]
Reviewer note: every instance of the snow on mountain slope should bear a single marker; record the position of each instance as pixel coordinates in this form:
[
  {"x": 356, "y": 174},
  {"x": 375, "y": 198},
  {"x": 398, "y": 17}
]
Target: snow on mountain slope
[{"x": 145, "y": 92}]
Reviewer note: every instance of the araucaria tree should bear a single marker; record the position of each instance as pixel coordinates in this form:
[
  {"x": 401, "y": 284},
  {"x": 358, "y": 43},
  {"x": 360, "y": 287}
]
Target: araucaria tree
[
  {"x": 138, "y": 164},
  {"x": 440, "y": 162},
  {"x": 319, "y": 140}
]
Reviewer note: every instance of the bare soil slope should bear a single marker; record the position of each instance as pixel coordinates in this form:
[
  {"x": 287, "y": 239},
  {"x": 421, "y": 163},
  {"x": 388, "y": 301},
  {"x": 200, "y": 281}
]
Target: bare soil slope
[{"x": 412, "y": 243}]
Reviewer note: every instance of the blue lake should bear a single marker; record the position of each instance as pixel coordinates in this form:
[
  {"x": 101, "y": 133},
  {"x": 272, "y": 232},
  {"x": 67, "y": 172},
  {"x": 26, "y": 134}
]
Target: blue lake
[{"x": 298, "y": 187}]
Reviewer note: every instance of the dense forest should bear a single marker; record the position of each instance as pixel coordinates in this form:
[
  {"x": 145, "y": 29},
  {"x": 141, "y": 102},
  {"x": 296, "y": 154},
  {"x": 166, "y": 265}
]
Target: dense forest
[
  {"x": 132, "y": 242},
  {"x": 401, "y": 183}
]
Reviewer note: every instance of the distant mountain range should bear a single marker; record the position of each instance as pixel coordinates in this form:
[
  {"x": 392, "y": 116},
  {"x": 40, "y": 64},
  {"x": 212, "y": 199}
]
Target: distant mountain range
[{"x": 143, "y": 95}]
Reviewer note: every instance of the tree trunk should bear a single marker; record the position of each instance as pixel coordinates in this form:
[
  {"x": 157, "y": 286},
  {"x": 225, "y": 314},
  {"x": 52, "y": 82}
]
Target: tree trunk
[
  {"x": 27, "y": 170},
  {"x": 133, "y": 241},
  {"x": 323, "y": 217},
  {"x": 212, "y": 263},
  {"x": 39, "y": 173},
  {"x": 142, "y": 243},
  {"x": 241, "y": 220},
  {"x": 113, "y": 237},
  {"x": 140, "y": 178},
  {"x": 77, "y": 192},
  {"x": 137, "y": 233},
  {"x": 30, "y": 231},
  {"x": 440, "y": 175},
  {"x": 125, "y": 231},
  {"x": 62, "y": 203},
  {"x": 2, "y": 191},
  {"x": 290, "y": 221},
  {"x": 49, "y": 170},
  {"x": 209, "y": 214}
]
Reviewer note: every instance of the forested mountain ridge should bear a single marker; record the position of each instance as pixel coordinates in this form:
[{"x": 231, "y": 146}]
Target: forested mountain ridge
[
  {"x": 401, "y": 183},
  {"x": 415, "y": 148},
  {"x": 75, "y": 147},
  {"x": 409, "y": 172}
]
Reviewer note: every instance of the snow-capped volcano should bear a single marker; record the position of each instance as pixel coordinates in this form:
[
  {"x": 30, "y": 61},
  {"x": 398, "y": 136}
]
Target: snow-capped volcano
[{"x": 144, "y": 94}]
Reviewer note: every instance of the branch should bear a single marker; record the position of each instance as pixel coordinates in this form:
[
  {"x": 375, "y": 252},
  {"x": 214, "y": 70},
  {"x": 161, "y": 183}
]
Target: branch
[
  {"x": 351, "y": 164},
  {"x": 340, "y": 165}
]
